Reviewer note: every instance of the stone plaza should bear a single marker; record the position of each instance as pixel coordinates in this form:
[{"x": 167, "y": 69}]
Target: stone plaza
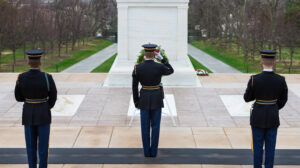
[
  {"x": 95, "y": 116},
  {"x": 101, "y": 119}
]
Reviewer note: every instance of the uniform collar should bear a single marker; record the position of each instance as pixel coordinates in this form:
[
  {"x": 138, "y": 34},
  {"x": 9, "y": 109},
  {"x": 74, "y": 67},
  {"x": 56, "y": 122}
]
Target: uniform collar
[
  {"x": 268, "y": 70},
  {"x": 149, "y": 59},
  {"x": 35, "y": 69}
]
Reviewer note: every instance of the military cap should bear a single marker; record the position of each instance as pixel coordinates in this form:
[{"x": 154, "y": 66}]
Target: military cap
[
  {"x": 35, "y": 54},
  {"x": 268, "y": 53},
  {"x": 149, "y": 47}
]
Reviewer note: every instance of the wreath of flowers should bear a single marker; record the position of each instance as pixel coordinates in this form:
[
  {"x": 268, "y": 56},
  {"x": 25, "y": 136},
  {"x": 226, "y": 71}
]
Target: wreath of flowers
[
  {"x": 201, "y": 72},
  {"x": 141, "y": 57}
]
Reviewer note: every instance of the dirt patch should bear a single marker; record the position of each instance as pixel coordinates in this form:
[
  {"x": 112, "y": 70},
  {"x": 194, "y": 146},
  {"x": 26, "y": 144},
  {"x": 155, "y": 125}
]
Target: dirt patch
[
  {"x": 91, "y": 44},
  {"x": 6, "y": 53}
]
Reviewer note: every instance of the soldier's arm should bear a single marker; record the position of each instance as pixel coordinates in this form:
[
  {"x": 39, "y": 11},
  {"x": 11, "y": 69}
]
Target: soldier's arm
[
  {"x": 18, "y": 94},
  {"x": 167, "y": 69},
  {"x": 52, "y": 93},
  {"x": 283, "y": 97},
  {"x": 135, "y": 88},
  {"x": 249, "y": 94}
]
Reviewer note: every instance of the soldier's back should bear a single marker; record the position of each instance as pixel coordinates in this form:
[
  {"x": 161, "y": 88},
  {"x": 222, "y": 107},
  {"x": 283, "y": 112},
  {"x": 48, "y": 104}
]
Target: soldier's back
[
  {"x": 38, "y": 92},
  {"x": 34, "y": 84},
  {"x": 149, "y": 73},
  {"x": 268, "y": 85},
  {"x": 269, "y": 90}
]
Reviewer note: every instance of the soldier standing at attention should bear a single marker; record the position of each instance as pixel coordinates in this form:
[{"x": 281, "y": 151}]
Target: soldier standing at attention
[
  {"x": 150, "y": 98},
  {"x": 270, "y": 93},
  {"x": 38, "y": 92}
]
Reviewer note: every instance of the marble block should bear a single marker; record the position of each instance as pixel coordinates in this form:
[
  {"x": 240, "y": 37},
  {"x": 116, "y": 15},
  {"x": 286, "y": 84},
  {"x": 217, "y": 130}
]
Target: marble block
[
  {"x": 169, "y": 99},
  {"x": 236, "y": 105},
  {"x": 295, "y": 89},
  {"x": 2, "y": 95},
  {"x": 67, "y": 105},
  {"x": 163, "y": 22},
  {"x": 184, "y": 75}
]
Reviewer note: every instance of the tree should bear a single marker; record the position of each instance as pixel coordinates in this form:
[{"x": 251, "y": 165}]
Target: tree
[
  {"x": 3, "y": 19},
  {"x": 292, "y": 28},
  {"x": 12, "y": 29},
  {"x": 52, "y": 25}
]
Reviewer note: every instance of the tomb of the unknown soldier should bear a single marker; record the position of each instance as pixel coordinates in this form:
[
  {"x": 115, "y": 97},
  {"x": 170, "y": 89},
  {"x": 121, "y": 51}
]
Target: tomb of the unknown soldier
[{"x": 149, "y": 84}]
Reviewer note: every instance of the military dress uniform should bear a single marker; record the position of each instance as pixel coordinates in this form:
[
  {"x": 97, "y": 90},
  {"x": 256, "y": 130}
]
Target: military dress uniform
[
  {"x": 150, "y": 98},
  {"x": 38, "y": 92},
  {"x": 269, "y": 90}
]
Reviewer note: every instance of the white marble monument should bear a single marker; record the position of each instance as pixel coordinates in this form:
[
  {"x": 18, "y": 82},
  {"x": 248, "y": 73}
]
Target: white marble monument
[{"x": 163, "y": 22}]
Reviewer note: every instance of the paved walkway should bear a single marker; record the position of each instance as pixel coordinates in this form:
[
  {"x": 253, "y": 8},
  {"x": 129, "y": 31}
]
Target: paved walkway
[
  {"x": 101, "y": 120},
  {"x": 92, "y": 62},
  {"x": 142, "y": 166},
  {"x": 105, "y": 106},
  {"x": 210, "y": 62},
  {"x": 130, "y": 137}
]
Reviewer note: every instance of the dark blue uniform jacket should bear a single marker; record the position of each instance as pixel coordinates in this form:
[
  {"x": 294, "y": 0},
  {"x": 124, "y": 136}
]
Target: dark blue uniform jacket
[
  {"x": 266, "y": 86},
  {"x": 149, "y": 73},
  {"x": 32, "y": 85}
]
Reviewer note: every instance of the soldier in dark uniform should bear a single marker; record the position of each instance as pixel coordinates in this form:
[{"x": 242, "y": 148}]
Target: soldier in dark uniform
[
  {"x": 38, "y": 92},
  {"x": 270, "y": 93},
  {"x": 150, "y": 98}
]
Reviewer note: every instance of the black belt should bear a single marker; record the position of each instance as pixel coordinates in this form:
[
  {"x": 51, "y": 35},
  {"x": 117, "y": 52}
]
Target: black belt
[
  {"x": 157, "y": 87},
  {"x": 36, "y": 101},
  {"x": 266, "y": 102}
]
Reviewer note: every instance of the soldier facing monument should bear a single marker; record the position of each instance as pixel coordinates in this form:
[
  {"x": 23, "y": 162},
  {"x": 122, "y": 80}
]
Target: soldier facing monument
[
  {"x": 38, "y": 92},
  {"x": 150, "y": 98}
]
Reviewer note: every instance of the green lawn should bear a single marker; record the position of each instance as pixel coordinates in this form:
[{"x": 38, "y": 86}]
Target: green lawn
[
  {"x": 228, "y": 58},
  {"x": 198, "y": 65},
  {"x": 54, "y": 63},
  {"x": 237, "y": 61},
  {"x": 105, "y": 66},
  {"x": 77, "y": 56}
]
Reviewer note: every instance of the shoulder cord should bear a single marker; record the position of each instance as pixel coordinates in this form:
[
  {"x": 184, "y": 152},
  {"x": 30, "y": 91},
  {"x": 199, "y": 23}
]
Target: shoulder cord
[
  {"x": 48, "y": 86},
  {"x": 252, "y": 81},
  {"x": 135, "y": 69}
]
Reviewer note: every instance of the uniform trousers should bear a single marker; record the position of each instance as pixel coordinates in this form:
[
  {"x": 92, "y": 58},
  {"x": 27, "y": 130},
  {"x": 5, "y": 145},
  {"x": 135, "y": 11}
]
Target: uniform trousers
[
  {"x": 150, "y": 121},
  {"x": 264, "y": 137},
  {"x": 37, "y": 138}
]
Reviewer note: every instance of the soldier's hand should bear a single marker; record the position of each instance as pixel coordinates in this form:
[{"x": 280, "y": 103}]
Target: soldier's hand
[
  {"x": 158, "y": 55},
  {"x": 136, "y": 104}
]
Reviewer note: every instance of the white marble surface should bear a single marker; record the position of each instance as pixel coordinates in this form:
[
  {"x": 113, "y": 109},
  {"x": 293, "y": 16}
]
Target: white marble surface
[
  {"x": 169, "y": 99},
  {"x": 295, "y": 89},
  {"x": 2, "y": 95},
  {"x": 184, "y": 76},
  {"x": 163, "y": 22},
  {"x": 236, "y": 105},
  {"x": 152, "y": 25},
  {"x": 67, "y": 105}
]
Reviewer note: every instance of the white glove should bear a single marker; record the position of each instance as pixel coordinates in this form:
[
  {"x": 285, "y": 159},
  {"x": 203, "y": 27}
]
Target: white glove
[{"x": 159, "y": 56}]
